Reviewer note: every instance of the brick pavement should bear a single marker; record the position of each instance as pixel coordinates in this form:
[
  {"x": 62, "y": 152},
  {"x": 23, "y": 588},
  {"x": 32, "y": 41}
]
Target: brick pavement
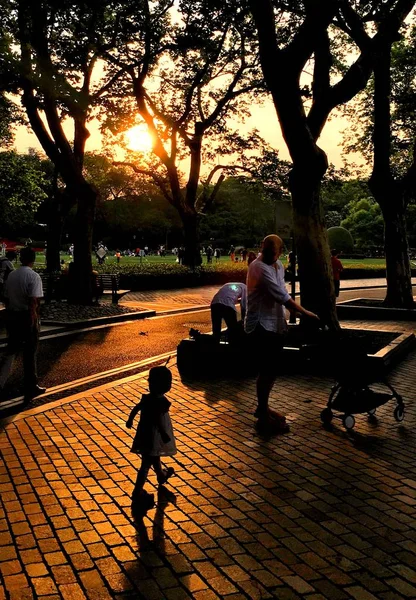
[
  {"x": 313, "y": 514},
  {"x": 186, "y": 297}
]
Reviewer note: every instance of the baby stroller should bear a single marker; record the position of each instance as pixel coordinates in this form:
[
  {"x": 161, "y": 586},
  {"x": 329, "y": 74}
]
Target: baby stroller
[{"x": 355, "y": 371}]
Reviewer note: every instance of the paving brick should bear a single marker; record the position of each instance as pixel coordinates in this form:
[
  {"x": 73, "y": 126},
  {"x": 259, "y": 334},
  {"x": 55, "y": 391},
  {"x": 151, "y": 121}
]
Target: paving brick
[
  {"x": 71, "y": 591},
  {"x": 316, "y": 514}
]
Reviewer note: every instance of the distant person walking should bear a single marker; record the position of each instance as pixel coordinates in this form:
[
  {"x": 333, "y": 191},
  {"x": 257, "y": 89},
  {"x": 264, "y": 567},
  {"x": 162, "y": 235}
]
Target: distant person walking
[
  {"x": 23, "y": 291},
  {"x": 337, "y": 269},
  {"x": 154, "y": 437},
  {"x": 217, "y": 254},
  {"x": 118, "y": 256},
  {"x": 181, "y": 254},
  {"x": 251, "y": 256},
  {"x": 244, "y": 254},
  {"x": 223, "y": 307},
  {"x": 232, "y": 253},
  {"x": 266, "y": 323},
  {"x": 209, "y": 252}
]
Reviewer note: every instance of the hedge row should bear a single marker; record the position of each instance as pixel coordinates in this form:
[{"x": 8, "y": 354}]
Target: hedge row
[
  {"x": 151, "y": 276},
  {"x": 170, "y": 276}
]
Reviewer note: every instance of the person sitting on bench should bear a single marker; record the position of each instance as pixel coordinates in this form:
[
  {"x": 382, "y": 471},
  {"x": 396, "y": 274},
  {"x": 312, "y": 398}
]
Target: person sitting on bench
[{"x": 223, "y": 307}]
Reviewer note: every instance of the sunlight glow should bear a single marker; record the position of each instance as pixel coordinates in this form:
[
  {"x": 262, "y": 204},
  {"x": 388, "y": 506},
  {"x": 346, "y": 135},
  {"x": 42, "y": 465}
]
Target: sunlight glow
[{"x": 138, "y": 139}]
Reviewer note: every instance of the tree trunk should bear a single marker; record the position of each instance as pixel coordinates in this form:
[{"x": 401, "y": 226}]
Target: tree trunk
[
  {"x": 315, "y": 269},
  {"x": 192, "y": 257},
  {"x": 388, "y": 191},
  {"x": 398, "y": 270},
  {"x": 81, "y": 278}
]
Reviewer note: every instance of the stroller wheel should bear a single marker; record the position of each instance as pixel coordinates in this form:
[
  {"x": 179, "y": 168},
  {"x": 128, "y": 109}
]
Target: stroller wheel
[
  {"x": 399, "y": 412},
  {"x": 371, "y": 412},
  {"x": 348, "y": 421},
  {"x": 326, "y": 416}
]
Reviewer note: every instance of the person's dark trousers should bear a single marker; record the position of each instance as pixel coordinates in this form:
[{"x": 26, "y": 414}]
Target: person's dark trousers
[
  {"x": 220, "y": 312},
  {"x": 22, "y": 336},
  {"x": 337, "y": 286}
]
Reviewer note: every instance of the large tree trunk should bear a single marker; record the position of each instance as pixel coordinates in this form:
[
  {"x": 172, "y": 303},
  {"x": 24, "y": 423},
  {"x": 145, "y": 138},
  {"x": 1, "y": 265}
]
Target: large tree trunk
[
  {"x": 398, "y": 270},
  {"x": 81, "y": 277},
  {"x": 192, "y": 257},
  {"x": 315, "y": 270},
  {"x": 388, "y": 192}
]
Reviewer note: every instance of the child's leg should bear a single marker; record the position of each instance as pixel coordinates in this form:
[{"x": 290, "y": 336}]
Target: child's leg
[
  {"x": 157, "y": 466},
  {"x": 162, "y": 474},
  {"x": 142, "y": 474}
]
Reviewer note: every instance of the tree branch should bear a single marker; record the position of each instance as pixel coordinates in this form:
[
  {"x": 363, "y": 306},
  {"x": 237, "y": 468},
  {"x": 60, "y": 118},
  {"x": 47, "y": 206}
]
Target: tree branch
[
  {"x": 319, "y": 15},
  {"x": 156, "y": 178},
  {"x": 205, "y": 200}
]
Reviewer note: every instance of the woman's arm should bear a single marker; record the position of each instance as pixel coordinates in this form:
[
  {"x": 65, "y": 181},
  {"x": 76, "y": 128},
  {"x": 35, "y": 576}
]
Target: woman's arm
[{"x": 292, "y": 305}]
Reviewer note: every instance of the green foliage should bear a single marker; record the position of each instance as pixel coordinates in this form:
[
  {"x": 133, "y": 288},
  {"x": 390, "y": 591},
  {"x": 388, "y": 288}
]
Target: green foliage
[
  {"x": 359, "y": 135},
  {"x": 341, "y": 239},
  {"x": 365, "y": 222},
  {"x": 9, "y": 116},
  {"x": 339, "y": 189},
  {"x": 21, "y": 190},
  {"x": 243, "y": 213}
]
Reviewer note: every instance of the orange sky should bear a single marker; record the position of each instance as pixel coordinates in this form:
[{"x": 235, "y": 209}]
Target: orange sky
[{"x": 263, "y": 118}]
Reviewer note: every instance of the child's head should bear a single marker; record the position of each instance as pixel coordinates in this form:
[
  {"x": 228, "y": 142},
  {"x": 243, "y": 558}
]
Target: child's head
[
  {"x": 160, "y": 380},
  {"x": 334, "y": 252}
]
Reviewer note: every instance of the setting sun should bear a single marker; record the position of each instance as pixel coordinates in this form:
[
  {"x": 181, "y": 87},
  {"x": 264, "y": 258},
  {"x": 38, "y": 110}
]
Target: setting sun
[{"x": 138, "y": 139}]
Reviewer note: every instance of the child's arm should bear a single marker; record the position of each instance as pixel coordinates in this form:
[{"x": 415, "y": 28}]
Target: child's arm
[{"x": 129, "y": 422}]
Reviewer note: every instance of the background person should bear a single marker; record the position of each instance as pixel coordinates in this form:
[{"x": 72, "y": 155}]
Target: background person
[
  {"x": 209, "y": 253},
  {"x": 265, "y": 322},
  {"x": 337, "y": 269},
  {"x": 23, "y": 291},
  {"x": 6, "y": 267},
  {"x": 223, "y": 307}
]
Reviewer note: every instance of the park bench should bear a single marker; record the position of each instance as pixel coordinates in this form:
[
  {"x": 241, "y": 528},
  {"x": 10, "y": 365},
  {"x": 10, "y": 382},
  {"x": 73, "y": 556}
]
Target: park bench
[
  {"x": 51, "y": 286},
  {"x": 109, "y": 284}
]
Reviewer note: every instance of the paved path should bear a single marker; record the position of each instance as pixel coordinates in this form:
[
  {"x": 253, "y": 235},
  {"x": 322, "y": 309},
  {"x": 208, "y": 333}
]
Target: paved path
[
  {"x": 186, "y": 297},
  {"x": 314, "y": 514}
]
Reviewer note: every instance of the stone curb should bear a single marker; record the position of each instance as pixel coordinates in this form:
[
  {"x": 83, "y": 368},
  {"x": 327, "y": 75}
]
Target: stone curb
[{"x": 142, "y": 314}]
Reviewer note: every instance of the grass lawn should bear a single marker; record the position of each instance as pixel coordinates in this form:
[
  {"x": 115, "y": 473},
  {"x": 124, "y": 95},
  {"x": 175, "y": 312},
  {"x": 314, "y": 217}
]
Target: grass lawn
[{"x": 370, "y": 263}]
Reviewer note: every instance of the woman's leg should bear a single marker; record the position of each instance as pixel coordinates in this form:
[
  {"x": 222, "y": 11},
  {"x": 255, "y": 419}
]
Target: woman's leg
[
  {"x": 268, "y": 347},
  {"x": 216, "y": 320}
]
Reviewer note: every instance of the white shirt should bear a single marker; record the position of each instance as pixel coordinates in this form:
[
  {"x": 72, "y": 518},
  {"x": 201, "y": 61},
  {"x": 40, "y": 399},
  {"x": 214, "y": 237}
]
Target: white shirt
[
  {"x": 21, "y": 285},
  {"x": 266, "y": 294},
  {"x": 230, "y": 294}
]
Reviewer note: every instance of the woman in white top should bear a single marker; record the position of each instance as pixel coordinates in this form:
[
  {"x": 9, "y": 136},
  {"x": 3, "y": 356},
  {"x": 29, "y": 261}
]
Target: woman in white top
[{"x": 266, "y": 322}]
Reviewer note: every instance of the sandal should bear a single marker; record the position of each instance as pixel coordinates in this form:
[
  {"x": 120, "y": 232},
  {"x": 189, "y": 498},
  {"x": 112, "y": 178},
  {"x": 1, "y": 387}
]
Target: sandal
[{"x": 167, "y": 473}]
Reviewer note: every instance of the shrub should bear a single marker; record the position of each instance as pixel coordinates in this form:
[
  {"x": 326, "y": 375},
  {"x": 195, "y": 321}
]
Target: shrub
[{"x": 341, "y": 239}]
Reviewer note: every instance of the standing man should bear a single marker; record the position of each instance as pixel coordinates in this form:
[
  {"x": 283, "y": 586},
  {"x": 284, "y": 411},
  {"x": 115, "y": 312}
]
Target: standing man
[
  {"x": 266, "y": 324},
  {"x": 23, "y": 291},
  {"x": 223, "y": 307}
]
